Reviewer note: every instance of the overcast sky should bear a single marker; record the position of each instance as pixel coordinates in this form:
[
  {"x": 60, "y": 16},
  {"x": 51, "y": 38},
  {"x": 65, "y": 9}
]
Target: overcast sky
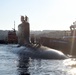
[{"x": 43, "y": 14}]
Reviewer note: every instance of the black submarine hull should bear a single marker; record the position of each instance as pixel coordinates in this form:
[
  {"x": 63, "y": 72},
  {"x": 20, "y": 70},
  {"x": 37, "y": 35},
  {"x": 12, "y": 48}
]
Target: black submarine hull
[{"x": 39, "y": 53}]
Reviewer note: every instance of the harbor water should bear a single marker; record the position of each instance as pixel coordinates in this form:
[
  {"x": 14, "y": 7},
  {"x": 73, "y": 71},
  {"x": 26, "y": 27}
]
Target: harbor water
[{"x": 14, "y": 64}]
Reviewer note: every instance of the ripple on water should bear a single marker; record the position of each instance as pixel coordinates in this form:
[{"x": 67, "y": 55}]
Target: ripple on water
[
  {"x": 12, "y": 64},
  {"x": 8, "y": 62}
]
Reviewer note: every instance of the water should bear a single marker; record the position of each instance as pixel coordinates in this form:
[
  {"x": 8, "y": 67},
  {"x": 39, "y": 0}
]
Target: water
[{"x": 14, "y": 64}]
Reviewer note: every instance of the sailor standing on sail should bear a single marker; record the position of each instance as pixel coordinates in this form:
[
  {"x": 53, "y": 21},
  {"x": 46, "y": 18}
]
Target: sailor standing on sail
[{"x": 23, "y": 31}]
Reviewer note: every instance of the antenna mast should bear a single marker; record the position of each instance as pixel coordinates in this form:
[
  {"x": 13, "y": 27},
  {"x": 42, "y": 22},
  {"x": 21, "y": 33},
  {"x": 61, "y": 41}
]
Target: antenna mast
[{"x": 14, "y": 26}]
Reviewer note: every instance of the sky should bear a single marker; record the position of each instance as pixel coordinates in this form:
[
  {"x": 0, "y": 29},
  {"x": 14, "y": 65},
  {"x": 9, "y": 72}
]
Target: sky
[{"x": 43, "y": 14}]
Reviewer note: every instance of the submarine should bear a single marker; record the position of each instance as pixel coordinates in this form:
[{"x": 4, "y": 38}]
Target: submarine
[{"x": 33, "y": 51}]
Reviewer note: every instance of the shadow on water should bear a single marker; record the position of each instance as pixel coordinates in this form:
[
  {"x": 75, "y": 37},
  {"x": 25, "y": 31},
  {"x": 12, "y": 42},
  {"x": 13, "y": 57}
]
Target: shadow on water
[{"x": 23, "y": 65}]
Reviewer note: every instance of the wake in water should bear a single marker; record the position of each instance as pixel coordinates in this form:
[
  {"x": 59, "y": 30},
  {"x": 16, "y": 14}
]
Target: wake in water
[{"x": 17, "y": 64}]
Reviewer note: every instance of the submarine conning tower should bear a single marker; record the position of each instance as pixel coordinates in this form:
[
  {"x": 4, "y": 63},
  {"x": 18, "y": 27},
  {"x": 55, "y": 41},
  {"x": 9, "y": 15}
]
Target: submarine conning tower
[{"x": 23, "y": 31}]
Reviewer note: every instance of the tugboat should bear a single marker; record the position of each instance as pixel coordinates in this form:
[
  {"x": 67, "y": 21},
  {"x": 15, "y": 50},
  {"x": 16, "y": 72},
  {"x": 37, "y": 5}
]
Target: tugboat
[
  {"x": 12, "y": 37},
  {"x": 65, "y": 44}
]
